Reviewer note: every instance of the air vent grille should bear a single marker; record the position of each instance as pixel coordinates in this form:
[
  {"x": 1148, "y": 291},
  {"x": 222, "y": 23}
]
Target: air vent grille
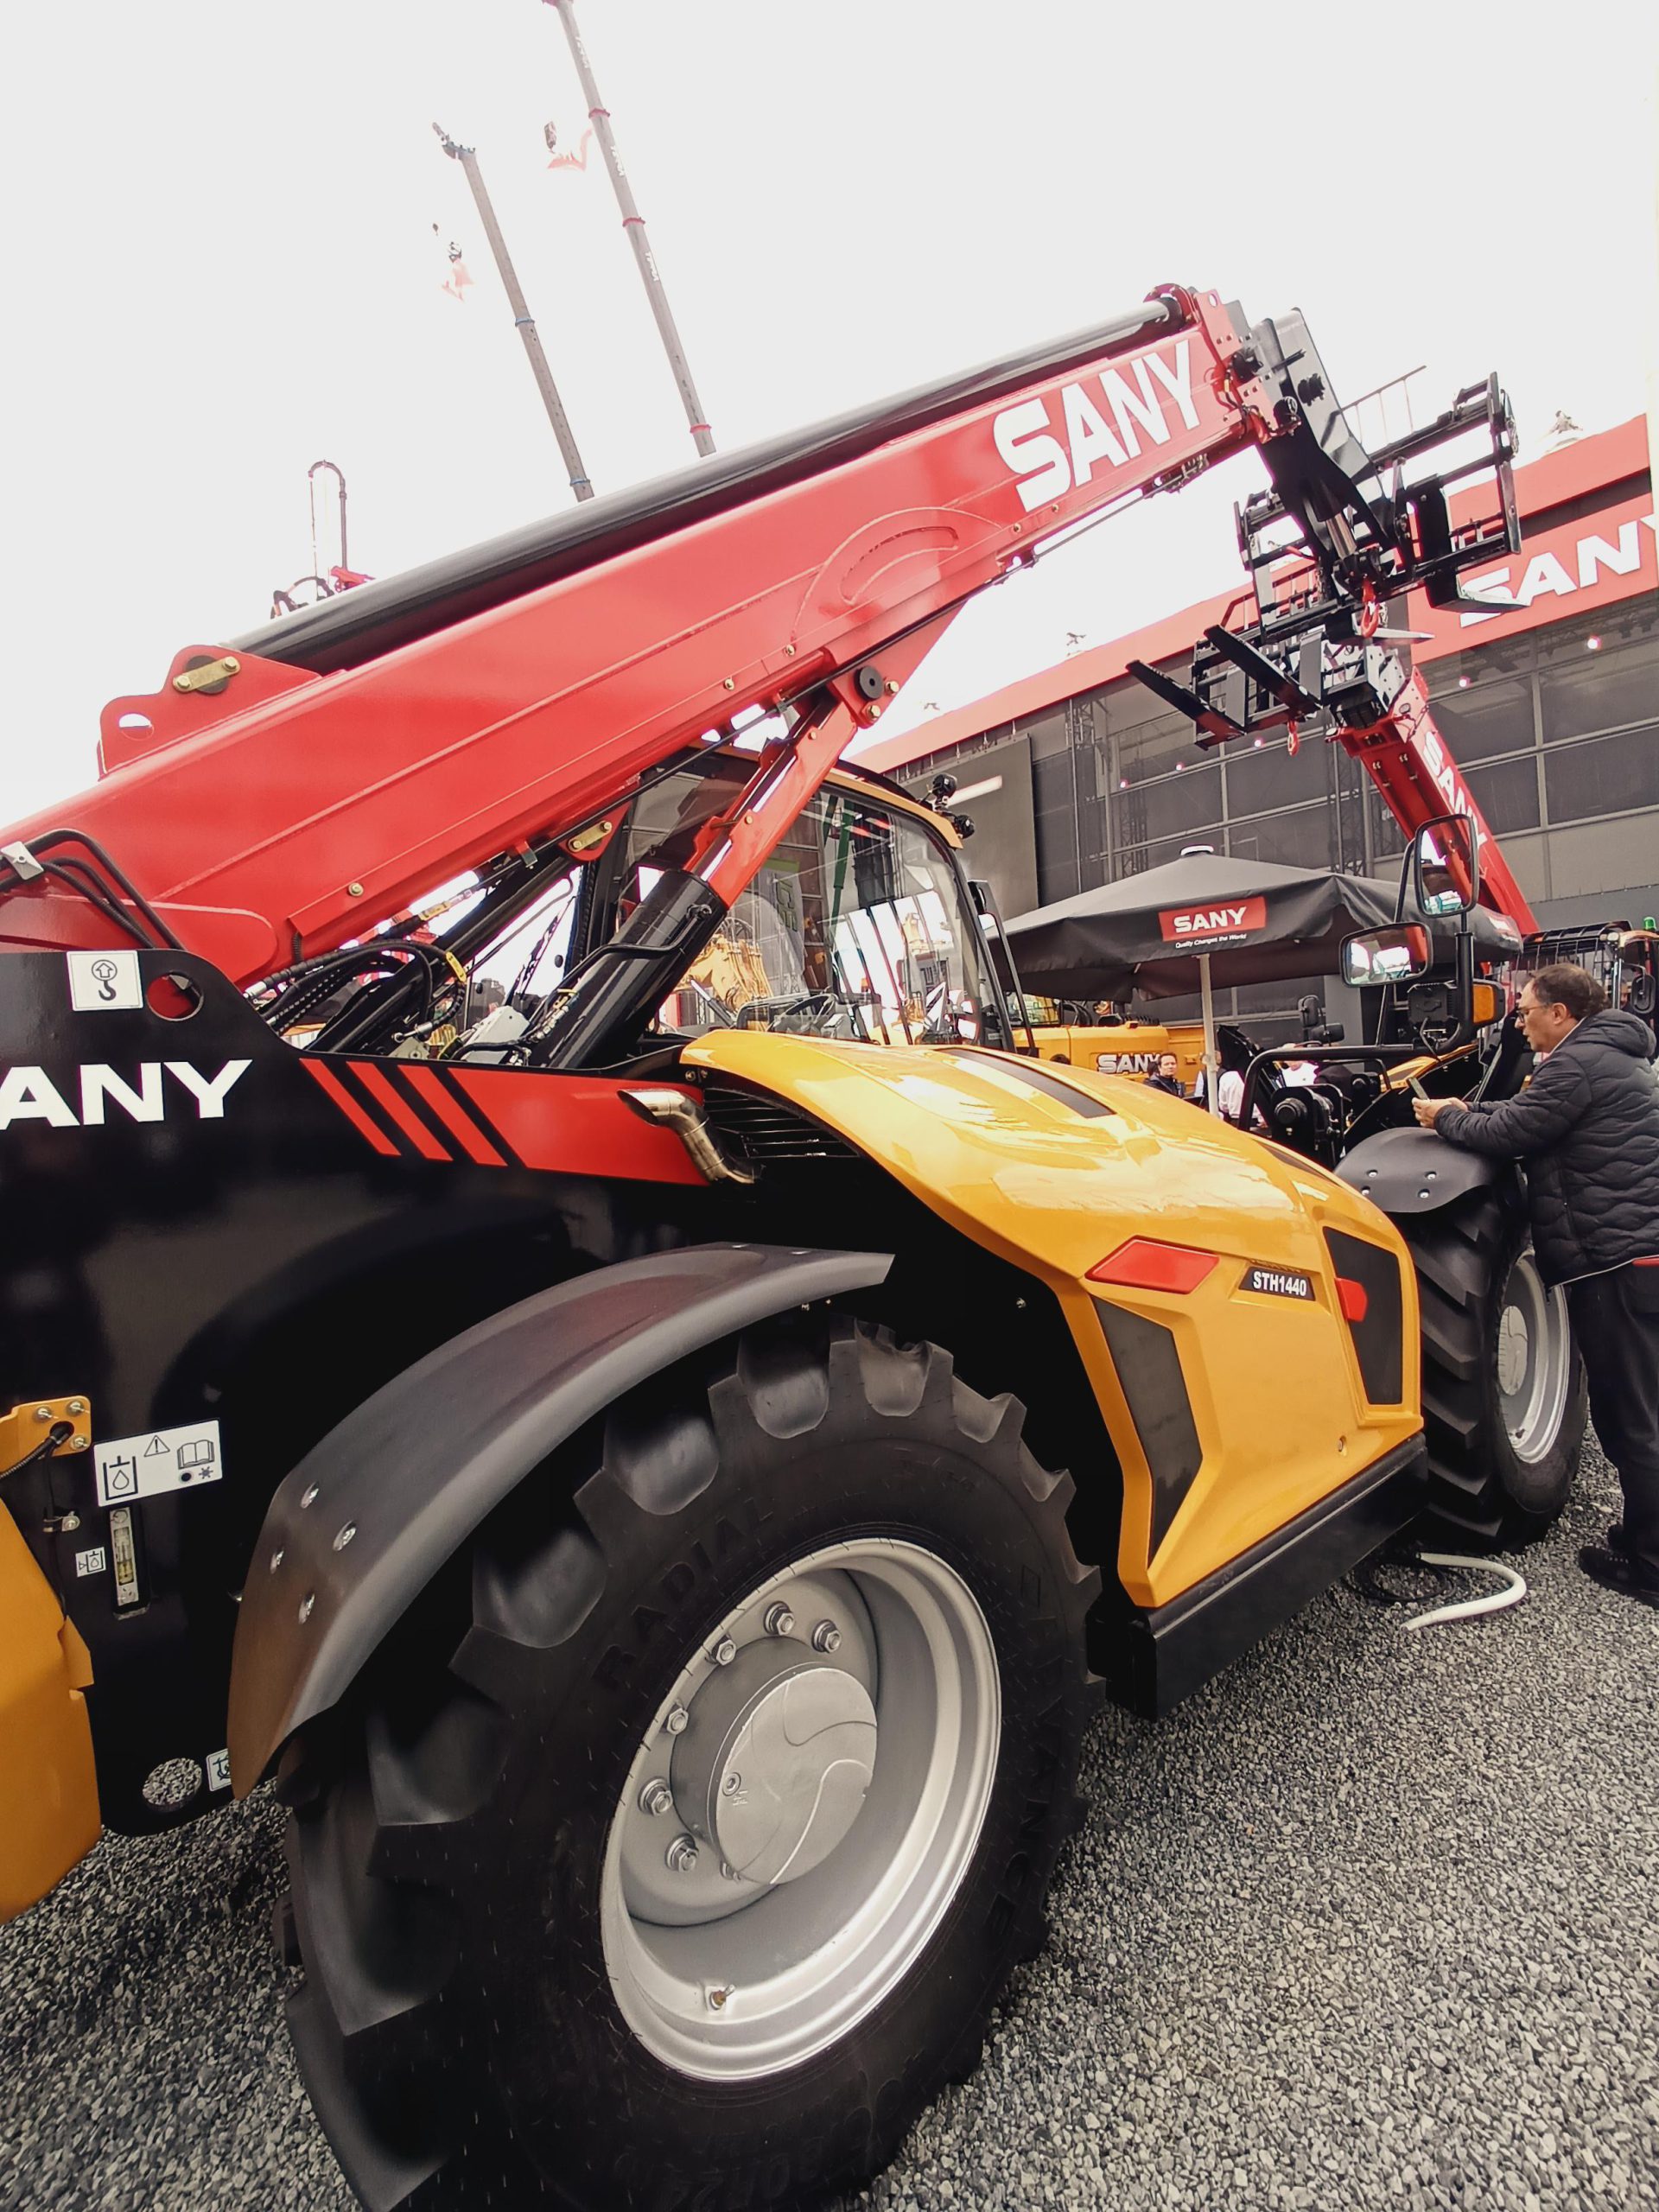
[{"x": 765, "y": 1131}]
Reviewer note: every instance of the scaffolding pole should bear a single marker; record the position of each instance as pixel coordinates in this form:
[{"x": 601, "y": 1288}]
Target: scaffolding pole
[
  {"x": 633, "y": 223},
  {"x": 581, "y": 483}
]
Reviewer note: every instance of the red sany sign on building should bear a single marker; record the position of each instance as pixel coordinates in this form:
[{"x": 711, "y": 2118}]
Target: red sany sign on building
[{"x": 1223, "y": 923}]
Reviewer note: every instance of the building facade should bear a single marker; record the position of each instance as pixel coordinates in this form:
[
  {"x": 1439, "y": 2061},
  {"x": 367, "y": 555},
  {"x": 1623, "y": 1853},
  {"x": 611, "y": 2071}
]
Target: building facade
[{"x": 1079, "y": 776}]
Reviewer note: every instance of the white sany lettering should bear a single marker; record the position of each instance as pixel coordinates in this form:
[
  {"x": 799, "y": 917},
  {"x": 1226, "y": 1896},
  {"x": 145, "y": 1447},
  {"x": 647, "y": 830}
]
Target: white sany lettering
[
  {"x": 1544, "y": 574},
  {"x": 1595, "y": 554},
  {"x": 1087, "y": 432},
  {"x": 209, "y": 1092},
  {"x": 1136, "y": 396},
  {"x": 1495, "y": 586},
  {"x": 1178, "y": 381},
  {"x": 1038, "y": 461},
  {"x": 99, "y": 1083},
  {"x": 1208, "y": 921},
  {"x": 29, "y": 1095},
  {"x": 1139, "y": 406}
]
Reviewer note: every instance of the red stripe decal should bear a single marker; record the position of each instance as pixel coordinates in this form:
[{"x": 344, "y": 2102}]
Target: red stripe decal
[
  {"x": 348, "y": 1106},
  {"x": 430, "y": 1087},
  {"x": 428, "y": 1146},
  {"x": 576, "y": 1125}
]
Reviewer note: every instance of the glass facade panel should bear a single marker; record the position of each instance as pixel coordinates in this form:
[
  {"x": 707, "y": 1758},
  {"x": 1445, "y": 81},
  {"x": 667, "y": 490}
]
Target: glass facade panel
[
  {"x": 1481, "y": 717},
  {"x": 1302, "y": 838},
  {"x": 1508, "y": 794},
  {"x": 1607, "y": 776},
  {"x": 1176, "y": 802},
  {"x": 1054, "y": 817},
  {"x": 1152, "y": 748},
  {"x": 1601, "y": 689},
  {"x": 1261, "y": 779}
]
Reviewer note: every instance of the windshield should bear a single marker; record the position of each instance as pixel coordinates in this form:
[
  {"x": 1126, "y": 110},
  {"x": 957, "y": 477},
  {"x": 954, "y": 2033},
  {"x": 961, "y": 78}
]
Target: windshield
[{"x": 856, "y": 928}]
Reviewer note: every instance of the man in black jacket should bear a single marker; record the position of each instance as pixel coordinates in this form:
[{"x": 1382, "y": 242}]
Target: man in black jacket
[
  {"x": 1587, "y": 1128},
  {"x": 1166, "y": 1076}
]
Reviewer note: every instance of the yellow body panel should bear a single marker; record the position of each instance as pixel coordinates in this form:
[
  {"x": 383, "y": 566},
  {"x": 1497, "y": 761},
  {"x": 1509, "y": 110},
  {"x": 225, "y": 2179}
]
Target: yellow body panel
[
  {"x": 1274, "y": 1382},
  {"x": 48, "y": 1790}
]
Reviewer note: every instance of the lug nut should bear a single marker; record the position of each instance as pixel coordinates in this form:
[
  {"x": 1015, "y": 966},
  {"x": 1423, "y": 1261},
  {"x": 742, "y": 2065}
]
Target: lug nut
[
  {"x": 725, "y": 1651},
  {"x": 780, "y": 1621},
  {"x": 730, "y": 1784},
  {"x": 308, "y": 1495},
  {"x": 277, "y": 1559},
  {"x": 677, "y": 1720},
  {"x": 826, "y": 1636},
  {"x": 656, "y": 1798},
  {"x": 682, "y": 1855},
  {"x": 345, "y": 1535},
  {"x": 728, "y": 1873},
  {"x": 717, "y": 1999}
]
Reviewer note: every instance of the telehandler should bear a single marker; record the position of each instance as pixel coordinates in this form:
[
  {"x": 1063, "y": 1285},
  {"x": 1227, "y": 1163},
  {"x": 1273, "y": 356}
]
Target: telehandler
[{"x": 657, "y": 1475}]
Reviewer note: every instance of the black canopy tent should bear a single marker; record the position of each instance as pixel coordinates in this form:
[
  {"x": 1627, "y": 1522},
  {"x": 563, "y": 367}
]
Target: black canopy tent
[{"x": 1204, "y": 920}]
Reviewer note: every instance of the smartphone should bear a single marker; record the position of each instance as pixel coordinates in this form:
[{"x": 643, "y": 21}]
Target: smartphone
[{"x": 1417, "y": 1089}]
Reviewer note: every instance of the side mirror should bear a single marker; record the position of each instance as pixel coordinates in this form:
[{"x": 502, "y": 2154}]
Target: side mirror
[
  {"x": 1445, "y": 866},
  {"x": 1393, "y": 956}
]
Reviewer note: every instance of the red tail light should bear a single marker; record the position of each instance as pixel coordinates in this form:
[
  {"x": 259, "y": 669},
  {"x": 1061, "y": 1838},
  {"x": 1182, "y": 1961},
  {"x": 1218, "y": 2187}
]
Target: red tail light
[
  {"x": 1355, "y": 1303},
  {"x": 1144, "y": 1264}
]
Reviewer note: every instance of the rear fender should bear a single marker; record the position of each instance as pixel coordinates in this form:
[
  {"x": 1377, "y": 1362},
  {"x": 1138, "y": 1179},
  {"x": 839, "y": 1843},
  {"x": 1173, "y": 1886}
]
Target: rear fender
[
  {"x": 1414, "y": 1172},
  {"x": 374, "y": 1511}
]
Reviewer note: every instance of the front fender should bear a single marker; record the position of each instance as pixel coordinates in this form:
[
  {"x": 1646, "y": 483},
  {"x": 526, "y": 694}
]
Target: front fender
[
  {"x": 1412, "y": 1170},
  {"x": 371, "y": 1513}
]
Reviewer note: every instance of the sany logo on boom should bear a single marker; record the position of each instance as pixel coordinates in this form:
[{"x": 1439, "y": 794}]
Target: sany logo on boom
[
  {"x": 29, "y": 1094},
  {"x": 1134, "y": 397},
  {"x": 1426, "y": 743}
]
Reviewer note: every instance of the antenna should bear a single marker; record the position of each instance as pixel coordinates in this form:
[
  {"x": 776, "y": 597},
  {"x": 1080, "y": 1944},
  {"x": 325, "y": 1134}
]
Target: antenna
[
  {"x": 580, "y": 484},
  {"x": 634, "y": 224}
]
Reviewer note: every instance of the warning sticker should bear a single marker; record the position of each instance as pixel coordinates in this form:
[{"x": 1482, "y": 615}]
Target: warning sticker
[
  {"x": 218, "y": 1770},
  {"x": 160, "y": 1459},
  {"x": 91, "y": 1562},
  {"x": 105, "y": 982}
]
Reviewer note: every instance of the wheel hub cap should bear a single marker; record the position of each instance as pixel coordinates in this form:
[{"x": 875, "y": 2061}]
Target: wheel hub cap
[
  {"x": 1512, "y": 1348},
  {"x": 797, "y": 1818},
  {"x": 776, "y": 1762}
]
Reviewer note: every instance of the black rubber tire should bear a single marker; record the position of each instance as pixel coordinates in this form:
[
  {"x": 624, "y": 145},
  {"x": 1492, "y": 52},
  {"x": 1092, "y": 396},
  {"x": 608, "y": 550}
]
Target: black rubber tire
[
  {"x": 456, "y": 2025},
  {"x": 1479, "y": 1490}
]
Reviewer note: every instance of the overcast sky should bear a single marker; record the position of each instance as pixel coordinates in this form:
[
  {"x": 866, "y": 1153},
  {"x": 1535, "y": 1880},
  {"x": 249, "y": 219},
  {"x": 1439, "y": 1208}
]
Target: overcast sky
[{"x": 224, "y": 267}]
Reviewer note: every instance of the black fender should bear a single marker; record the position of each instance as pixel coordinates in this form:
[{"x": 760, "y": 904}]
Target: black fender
[
  {"x": 1412, "y": 1170},
  {"x": 376, "y": 1509}
]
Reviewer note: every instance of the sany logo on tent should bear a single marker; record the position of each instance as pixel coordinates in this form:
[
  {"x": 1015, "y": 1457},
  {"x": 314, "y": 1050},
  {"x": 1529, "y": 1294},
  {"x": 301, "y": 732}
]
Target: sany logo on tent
[
  {"x": 1231, "y": 918},
  {"x": 1134, "y": 395}
]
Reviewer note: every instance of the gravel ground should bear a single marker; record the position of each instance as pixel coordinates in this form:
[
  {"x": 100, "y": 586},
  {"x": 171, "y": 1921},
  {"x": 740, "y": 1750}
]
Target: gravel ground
[{"x": 1372, "y": 1921}]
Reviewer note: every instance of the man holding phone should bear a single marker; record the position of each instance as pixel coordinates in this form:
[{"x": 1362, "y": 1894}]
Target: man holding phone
[{"x": 1587, "y": 1128}]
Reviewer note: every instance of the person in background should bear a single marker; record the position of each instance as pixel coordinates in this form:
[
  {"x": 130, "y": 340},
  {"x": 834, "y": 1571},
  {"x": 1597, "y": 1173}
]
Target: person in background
[
  {"x": 1587, "y": 1128},
  {"x": 1166, "y": 1076}
]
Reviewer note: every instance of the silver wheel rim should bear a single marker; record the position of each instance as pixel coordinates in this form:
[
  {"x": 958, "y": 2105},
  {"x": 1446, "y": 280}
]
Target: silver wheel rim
[
  {"x": 1535, "y": 1361},
  {"x": 855, "y": 1697}
]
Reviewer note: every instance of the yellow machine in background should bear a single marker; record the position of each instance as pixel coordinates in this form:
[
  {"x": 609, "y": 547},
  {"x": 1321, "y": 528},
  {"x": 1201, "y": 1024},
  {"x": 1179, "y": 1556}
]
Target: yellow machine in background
[{"x": 1063, "y": 1032}]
